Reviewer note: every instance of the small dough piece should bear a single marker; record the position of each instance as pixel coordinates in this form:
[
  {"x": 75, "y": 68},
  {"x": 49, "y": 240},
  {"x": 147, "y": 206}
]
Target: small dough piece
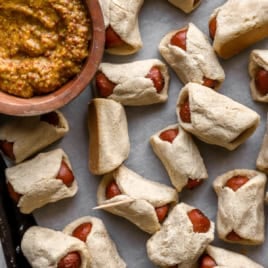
[
  {"x": 239, "y": 24},
  {"x": 44, "y": 247},
  {"x": 132, "y": 87},
  {"x": 258, "y": 59},
  {"x": 176, "y": 243},
  {"x": 143, "y": 196},
  {"x": 186, "y": 6},
  {"x": 109, "y": 142},
  {"x": 101, "y": 247},
  {"x": 198, "y": 61},
  {"x": 215, "y": 118},
  {"x": 181, "y": 158},
  {"x": 30, "y": 135},
  {"x": 241, "y": 211},
  {"x": 122, "y": 17},
  {"x": 35, "y": 180},
  {"x": 227, "y": 259}
]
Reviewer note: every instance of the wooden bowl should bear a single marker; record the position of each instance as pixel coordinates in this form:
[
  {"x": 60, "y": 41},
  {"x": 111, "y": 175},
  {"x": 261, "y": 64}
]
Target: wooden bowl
[{"x": 36, "y": 105}]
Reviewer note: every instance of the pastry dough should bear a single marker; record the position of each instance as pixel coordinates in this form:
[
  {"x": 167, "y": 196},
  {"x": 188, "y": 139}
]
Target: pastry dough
[
  {"x": 36, "y": 181},
  {"x": 239, "y": 24},
  {"x": 143, "y": 195},
  {"x": 198, "y": 61},
  {"x": 122, "y": 16},
  {"x": 30, "y": 135},
  {"x": 102, "y": 249},
  {"x": 258, "y": 59},
  {"x": 181, "y": 158},
  {"x": 215, "y": 118},
  {"x": 108, "y": 142},
  {"x": 176, "y": 243},
  {"x": 242, "y": 210},
  {"x": 132, "y": 86},
  {"x": 185, "y": 5},
  {"x": 44, "y": 247}
]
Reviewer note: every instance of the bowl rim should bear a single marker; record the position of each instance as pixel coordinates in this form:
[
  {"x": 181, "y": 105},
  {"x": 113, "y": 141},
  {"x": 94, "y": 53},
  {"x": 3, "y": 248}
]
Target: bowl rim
[{"x": 13, "y": 105}]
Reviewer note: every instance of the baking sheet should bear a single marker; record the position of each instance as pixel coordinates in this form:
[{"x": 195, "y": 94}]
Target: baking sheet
[{"x": 157, "y": 17}]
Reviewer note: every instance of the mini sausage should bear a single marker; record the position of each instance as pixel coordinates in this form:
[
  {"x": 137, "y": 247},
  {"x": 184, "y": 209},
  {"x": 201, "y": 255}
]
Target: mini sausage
[
  {"x": 201, "y": 223},
  {"x": 112, "y": 39},
  {"x": 213, "y": 27},
  {"x": 261, "y": 81},
  {"x": 162, "y": 212},
  {"x": 233, "y": 236},
  {"x": 185, "y": 113},
  {"x": 104, "y": 85},
  {"x": 51, "y": 118},
  {"x": 169, "y": 135},
  {"x": 7, "y": 148},
  {"x": 82, "y": 231},
  {"x": 112, "y": 190},
  {"x": 156, "y": 76},
  {"x": 191, "y": 184},
  {"x": 236, "y": 182},
  {"x": 179, "y": 39},
  {"x": 71, "y": 260},
  {"x": 15, "y": 196},
  {"x": 207, "y": 82},
  {"x": 65, "y": 174},
  {"x": 207, "y": 262}
]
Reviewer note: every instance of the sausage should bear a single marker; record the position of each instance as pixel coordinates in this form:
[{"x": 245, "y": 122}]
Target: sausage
[
  {"x": 7, "y": 148},
  {"x": 112, "y": 190},
  {"x": 192, "y": 183},
  {"x": 179, "y": 39},
  {"x": 261, "y": 81},
  {"x": 207, "y": 82},
  {"x": 82, "y": 231},
  {"x": 112, "y": 39},
  {"x": 236, "y": 182},
  {"x": 51, "y": 118},
  {"x": 15, "y": 196},
  {"x": 213, "y": 27},
  {"x": 162, "y": 212},
  {"x": 185, "y": 113},
  {"x": 65, "y": 174},
  {"x": 156, "y": 76},
  {"x": 169, "y": 135},
  {"x": 207, "y": 262},
  {"x": 104, "y": 85},
  {"x": 201, "y": 223},
  {"x": 71, "y": 260},
  {"x": 233, "y": 236}
]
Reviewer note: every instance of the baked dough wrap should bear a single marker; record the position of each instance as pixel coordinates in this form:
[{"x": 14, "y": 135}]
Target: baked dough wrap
[
  {"x": 108, "y": 135},
  {"x": 181, "y": 158},
  {"x": 198, "y": 61},
  {"x": 258, "y": 59},
  {"x": 186, "y": 6},
  {"x": 143, "y": 196},
  {"x": 122, "y": 16},
  {"x": 227, "y": 259},
  {"x": 132, "y": 86},
  {"x": 30, "y": 135},
  {"x": 101, "y": 247},
  {"x": 35, "y": 180},
  {"x": 239, "y": 24},
  {"x": 215, "y": 118},
  {"x": 241, "y": 211},
  {"x": 176, "y": 243},
  {"x": 44, "y": 247}
]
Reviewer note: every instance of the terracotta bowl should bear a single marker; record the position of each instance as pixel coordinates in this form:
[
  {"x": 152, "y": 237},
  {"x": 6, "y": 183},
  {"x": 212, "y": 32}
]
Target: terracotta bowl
[{"x": 13, "y": 105}]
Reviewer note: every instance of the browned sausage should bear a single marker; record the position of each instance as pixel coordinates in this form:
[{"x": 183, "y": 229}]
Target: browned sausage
[
  {"x": 15, "y": 196},
  {"x": 261, "y": 81},
  {"x": 65, "y": 174},
  {"x": 169, "y": 135},
  {"x": 213, "y": 27},
  {"x": 112, "y": 190},
  {"x": 179, "y": 39},
  {"x": 185, "y": 113},
  {"x": 112, "y": 39},
  {"x": 7, "y": 148},
  {"x": 104, "y": 85},
  {"x": 233, "y": 236},
  {"x": 51, "y": 118},
  {"x": 162, "y": 212},
  {"x": 71, "y": 260},
  {"x": 206, "y": 262},
  {"x": 207, "y": 82},
  {"x": 201, "y": 223},
  {"x": 82, "y": 231},
  {"x": 156, "y": 76},
  {"x": 191, "y": 184},
  {"x": 236, "y": 182}
]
